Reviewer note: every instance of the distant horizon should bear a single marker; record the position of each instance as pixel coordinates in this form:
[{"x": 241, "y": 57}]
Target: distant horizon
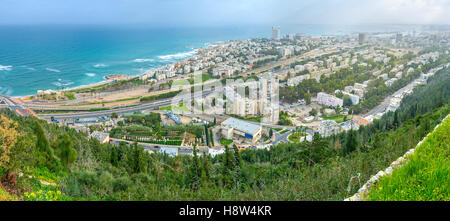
[
  {"x": 226, "y": 12},
  {"x": 222, "y": 25}
]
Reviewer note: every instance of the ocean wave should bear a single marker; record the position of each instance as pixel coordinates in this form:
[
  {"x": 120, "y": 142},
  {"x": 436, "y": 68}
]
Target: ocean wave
[
  {"x": 90, "y": 74},
  {"x": 61, "y": 83},
  {"x": 53, "y": 70},
  {"x": 140, "y": 60},
  {"x": 5, "y": 68},
  {"x": 99, "y": 65},
  {"x": 178, "y": 55},
  {"x": 28, "y": 68},
  {"x": 6, "y": 90}
]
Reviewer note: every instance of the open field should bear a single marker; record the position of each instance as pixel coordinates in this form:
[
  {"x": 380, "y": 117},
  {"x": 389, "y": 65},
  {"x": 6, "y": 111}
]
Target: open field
[
  {"x": 337, "y": 118},
  {"x": 180, "y": 107},
  {"x": 225, "y": 142}
]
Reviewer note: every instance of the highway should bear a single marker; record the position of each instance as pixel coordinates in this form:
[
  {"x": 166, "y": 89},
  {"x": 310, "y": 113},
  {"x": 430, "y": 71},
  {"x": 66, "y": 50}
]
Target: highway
[
  {"x": 124, "y": 110},
  {"x": 153, "y": 105},
  {"x": 14, "y": 106},
  {"x": 385, "y": 104}
]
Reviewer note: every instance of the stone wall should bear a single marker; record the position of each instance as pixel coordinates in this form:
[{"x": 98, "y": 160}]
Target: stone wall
[{"x": 363, "y": 192}]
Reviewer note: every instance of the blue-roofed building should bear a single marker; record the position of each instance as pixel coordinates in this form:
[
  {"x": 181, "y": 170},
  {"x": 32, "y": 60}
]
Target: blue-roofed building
[{"x": 233, "y": 127}]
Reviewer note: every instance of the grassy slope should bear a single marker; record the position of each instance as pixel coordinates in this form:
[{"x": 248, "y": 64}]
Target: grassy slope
[{"x": 426, "y": 176}]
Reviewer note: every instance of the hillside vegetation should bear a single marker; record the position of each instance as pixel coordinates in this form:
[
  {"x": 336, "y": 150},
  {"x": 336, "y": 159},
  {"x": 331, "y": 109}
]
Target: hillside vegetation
[
  {"x": 426, "y": 176},
  {"x": 41, "y": 161}
]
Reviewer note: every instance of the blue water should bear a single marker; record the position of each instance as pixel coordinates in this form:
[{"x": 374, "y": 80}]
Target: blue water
[{"x": 47, "y": 57}]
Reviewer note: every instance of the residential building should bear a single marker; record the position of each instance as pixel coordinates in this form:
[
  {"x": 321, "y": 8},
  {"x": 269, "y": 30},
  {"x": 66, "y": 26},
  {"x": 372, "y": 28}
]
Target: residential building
[
  {"x": 296, "y": 80},
  {"x": 328, "y": 128},
  {"x": 329, "y": 100},
  {"x": 276, "y": 34},
  {"x": 362, "y": 38},
  {"x": 354, "y": 98},
  {"x": 100, "y": 136}
]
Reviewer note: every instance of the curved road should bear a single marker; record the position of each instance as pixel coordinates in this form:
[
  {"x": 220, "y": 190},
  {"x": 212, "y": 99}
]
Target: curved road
[
  {"x": 14, "y": 106},
  {"x": 125, "y": 110}
]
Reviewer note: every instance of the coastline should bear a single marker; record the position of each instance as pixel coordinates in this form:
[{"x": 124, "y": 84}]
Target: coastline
[{"x": 105, "y": 81}]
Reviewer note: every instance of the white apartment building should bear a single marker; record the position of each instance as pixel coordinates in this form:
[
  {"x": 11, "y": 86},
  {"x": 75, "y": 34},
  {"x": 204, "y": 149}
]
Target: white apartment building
[
  {"x": 296, "y": 80},
  {"x": 285, "y": 51},
  {"x": 354, "y": 98},
  {"x": 329, "y": 100},
  {"x": 276, "y": 34},
  {"x": 390, "y": 81},
  {"x": 299, "y": 68},
  {"x": 223, "y": 70},
  {"x": 328, "y": 128},
  {"x": 265, "y": 103}
]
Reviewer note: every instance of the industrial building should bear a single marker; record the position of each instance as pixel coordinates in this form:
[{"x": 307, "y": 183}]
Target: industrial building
[{"x": 234, "y": 128}]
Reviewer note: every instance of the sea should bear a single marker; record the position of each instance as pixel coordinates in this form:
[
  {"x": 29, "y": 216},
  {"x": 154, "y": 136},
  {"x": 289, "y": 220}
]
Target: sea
[{"x": 41, "y": 57}]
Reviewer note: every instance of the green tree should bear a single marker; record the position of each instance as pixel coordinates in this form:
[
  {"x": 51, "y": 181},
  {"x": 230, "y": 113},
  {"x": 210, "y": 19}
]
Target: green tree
[
  {"x": 351, "y": 142},
  {"x": 237, "y": 165},
  {"x": 347, "y": 101},
  {"x": 207, "y": 136},
  {"x": 228, "y": 166},
  {"x": 137, "y": 160},
  {"x": 313, "y": 112},
  {"x": 44, "y": 154},
  {"x": 308, "y": 98},
  {"x": 396, "y": 120},
  {"x": 8, "y": 139},
  {"x": 65, "y": 152},
  {"x": 42, "y": 143},
  {"x": 114, "y": 156},
  {"x": 205, "y": 168},
  {"x": 195, "y": 170},
  {"x": 211, "y": 137}
]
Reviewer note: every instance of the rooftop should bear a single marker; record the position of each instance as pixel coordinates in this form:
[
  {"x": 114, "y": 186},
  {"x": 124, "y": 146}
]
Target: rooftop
[{"x": 242, "y": 125}]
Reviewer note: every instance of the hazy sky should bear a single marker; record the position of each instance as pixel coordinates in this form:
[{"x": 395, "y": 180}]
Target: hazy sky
[{"x": 225, "y": 12}]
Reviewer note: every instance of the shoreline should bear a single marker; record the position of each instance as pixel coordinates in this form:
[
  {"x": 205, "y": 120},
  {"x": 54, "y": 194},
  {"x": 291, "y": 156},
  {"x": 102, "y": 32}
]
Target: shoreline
[
  {"x": 195, "y": 52},
  {"x": 206, "y": 45}
]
